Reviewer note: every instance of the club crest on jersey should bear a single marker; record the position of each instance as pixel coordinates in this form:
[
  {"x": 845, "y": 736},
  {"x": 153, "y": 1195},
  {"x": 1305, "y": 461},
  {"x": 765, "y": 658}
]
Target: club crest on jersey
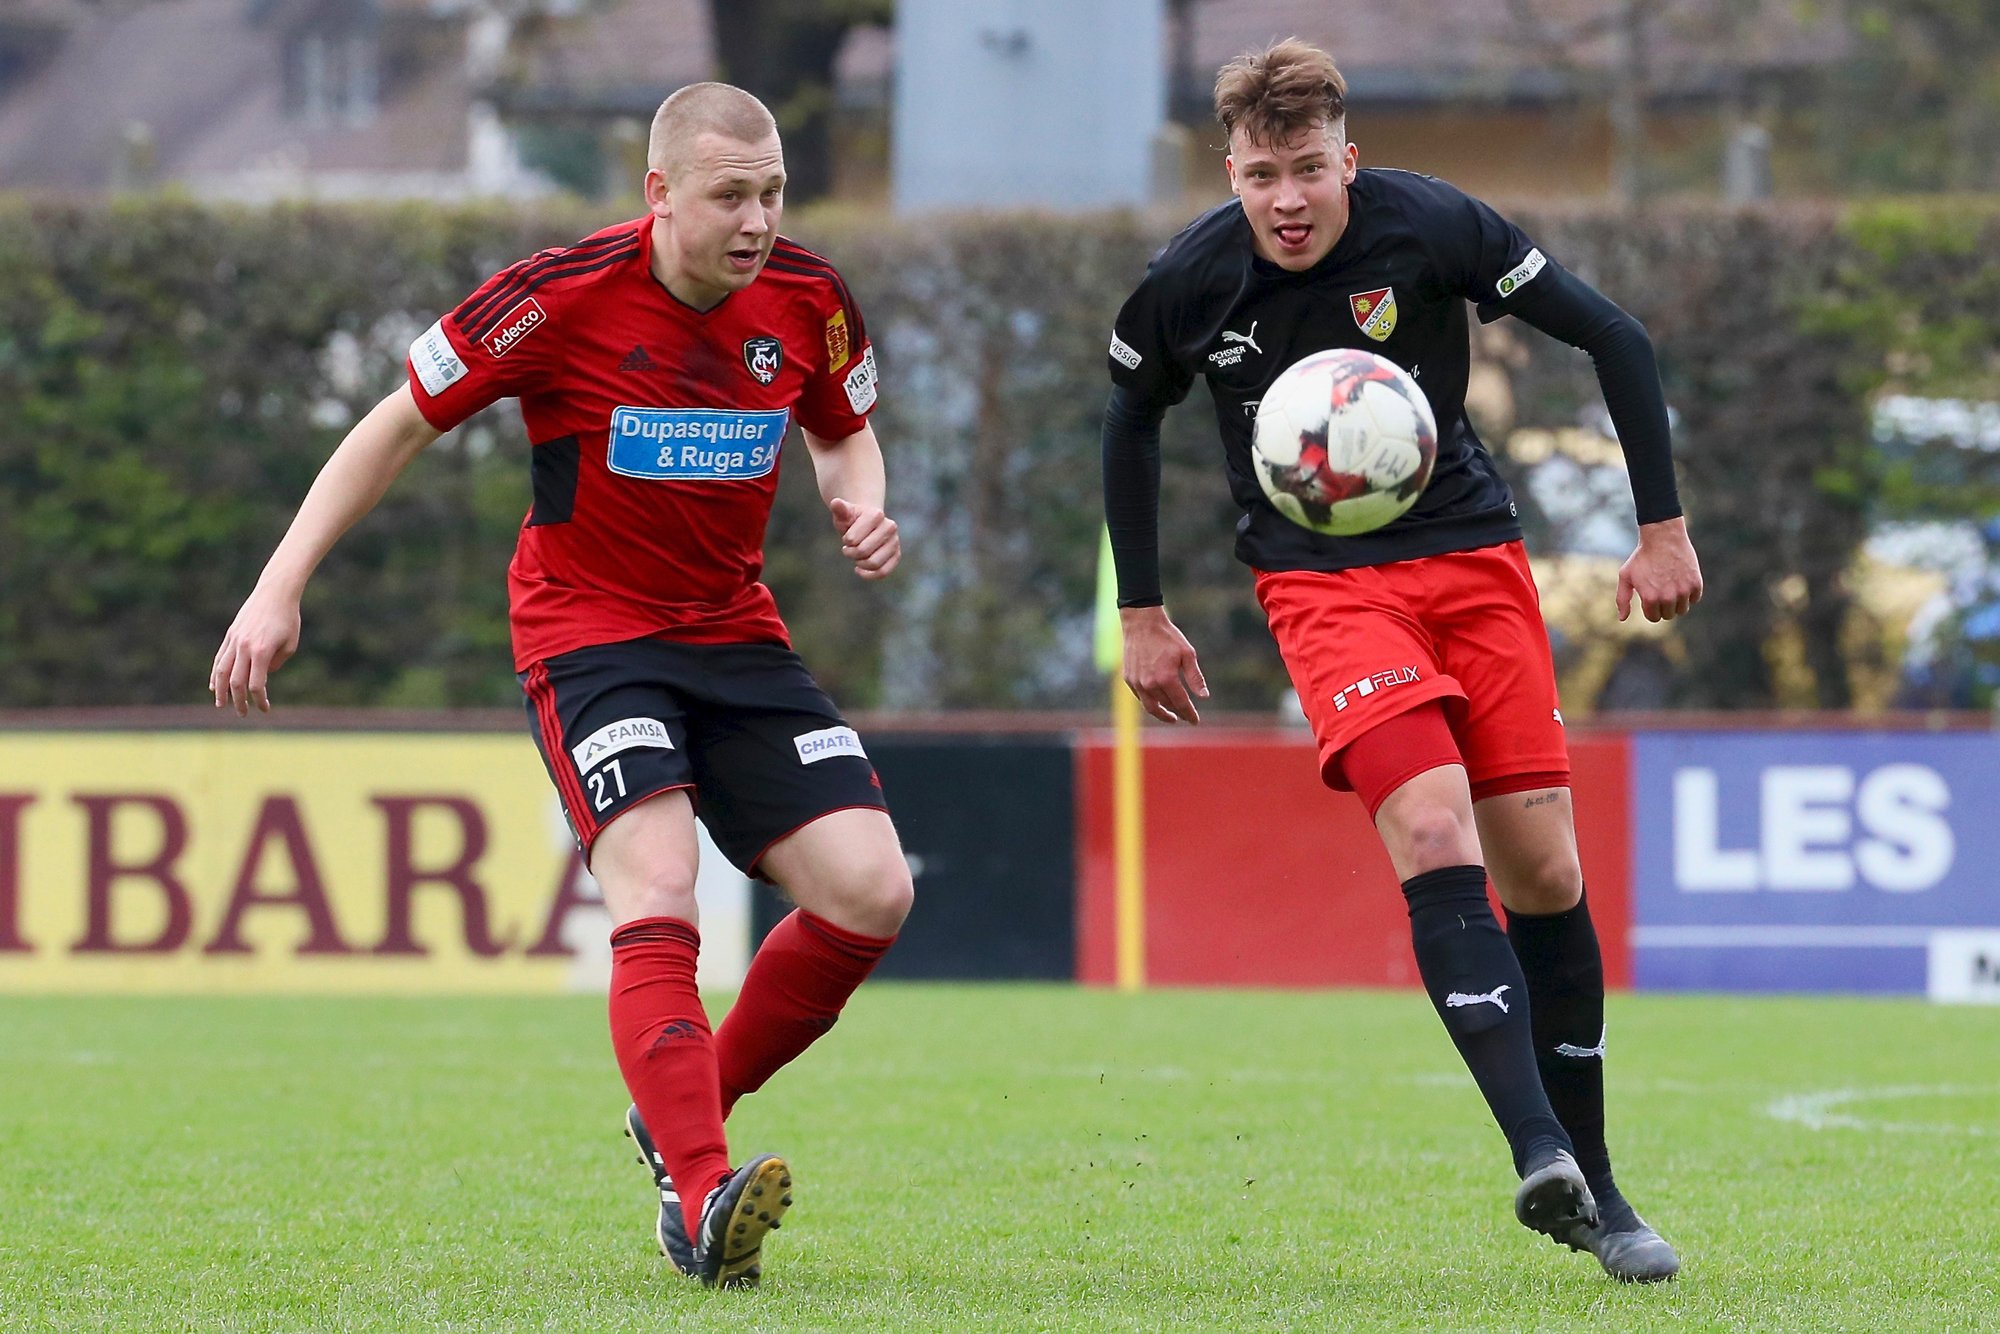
[
  {"x": 763, "y": 355},
  {"x": 837, "y": 345},
  {"x": 1375, "y": 312}
]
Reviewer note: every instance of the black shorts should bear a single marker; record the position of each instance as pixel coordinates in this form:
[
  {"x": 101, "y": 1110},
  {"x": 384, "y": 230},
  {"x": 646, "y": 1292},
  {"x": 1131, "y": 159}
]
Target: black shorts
[{"x": 744, "y": 725}]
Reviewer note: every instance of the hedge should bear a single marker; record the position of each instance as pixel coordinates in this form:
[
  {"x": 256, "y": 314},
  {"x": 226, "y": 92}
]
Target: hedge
[{"x": 176, "y": 373}]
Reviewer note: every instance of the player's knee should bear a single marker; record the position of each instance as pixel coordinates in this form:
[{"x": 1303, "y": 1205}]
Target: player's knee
[
  {"x": 1548, "y": 883},
  {"x": 882, "y": 893},
  {"x": 869, "y": 892},
  {"x": 894, "y": 895},
  {"x": 1433, "y": 836},
  {"x": 661, "y": 892}
]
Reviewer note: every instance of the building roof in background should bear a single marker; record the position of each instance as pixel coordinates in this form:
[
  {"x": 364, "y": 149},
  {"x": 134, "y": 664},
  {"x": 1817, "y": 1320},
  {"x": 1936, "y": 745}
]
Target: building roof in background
[
  {"x": 194, "y": 91},
  {"x": 98, "y": 93},
  {"x": 620, "y": 58},
  {"x": 1515, "y": 48}
]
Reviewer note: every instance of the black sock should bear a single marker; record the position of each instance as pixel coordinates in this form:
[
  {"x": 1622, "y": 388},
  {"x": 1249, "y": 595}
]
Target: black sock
[
  {"x": 1565, "y": 973},
  {"x": 1475, "y": 983}
]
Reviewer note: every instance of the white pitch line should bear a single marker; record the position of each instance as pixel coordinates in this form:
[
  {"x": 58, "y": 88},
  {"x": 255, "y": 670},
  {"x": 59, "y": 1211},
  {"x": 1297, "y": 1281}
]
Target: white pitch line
[{"x": 1824, "y": 1110}]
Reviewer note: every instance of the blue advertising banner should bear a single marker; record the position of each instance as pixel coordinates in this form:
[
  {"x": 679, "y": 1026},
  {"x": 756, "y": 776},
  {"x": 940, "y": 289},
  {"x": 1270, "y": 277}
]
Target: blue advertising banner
[{"x": 1817, "y": 861}]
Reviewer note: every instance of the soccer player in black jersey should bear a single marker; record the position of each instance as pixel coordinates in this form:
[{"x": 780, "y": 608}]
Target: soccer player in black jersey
[{"x": 1418, "y": 650}]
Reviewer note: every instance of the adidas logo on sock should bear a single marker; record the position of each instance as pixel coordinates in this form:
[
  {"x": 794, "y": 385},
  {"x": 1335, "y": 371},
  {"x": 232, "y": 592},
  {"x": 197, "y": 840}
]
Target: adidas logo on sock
[{"x": 637, "y": 360}]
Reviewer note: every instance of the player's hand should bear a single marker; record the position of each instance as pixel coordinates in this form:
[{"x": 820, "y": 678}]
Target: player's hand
[
  {"x": 264, "y": 634},
  {"x": 1663, "y": 572},
  {"x": 868, "y": 537},
  {"x": 1160, "y": 666}
]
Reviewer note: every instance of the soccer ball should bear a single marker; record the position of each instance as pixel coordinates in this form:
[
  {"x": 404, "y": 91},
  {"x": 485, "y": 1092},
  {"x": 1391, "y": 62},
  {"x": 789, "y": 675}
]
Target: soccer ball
[{"x": 1344, "y": 442}]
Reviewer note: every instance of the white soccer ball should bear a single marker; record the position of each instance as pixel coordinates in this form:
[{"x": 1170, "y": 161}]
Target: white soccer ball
[{"x": 1344, "y": 442}]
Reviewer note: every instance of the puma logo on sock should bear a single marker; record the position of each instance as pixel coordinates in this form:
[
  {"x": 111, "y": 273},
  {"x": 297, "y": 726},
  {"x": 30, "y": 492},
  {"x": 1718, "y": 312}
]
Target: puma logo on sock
[
  {"x": 1583, "y": 1053},
  {"x": 1459, "y": 1000}
]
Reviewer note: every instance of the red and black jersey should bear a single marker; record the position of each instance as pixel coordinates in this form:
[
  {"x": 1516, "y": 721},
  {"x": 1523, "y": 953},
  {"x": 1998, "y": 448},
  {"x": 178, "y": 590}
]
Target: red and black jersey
[{"x": 655, "y": 430}]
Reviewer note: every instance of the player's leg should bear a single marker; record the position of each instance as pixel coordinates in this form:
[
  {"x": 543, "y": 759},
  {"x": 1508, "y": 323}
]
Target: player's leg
[
  {"x": 789, "y": 794},
  {"x": 1517, "y": 760},
  {"x": 644, "y": 862},
  {"x": 612, "y": 733},
  {"x": 1371, "y": 687},
  {"x": 1470, "y": 972},
  {"x": 847, "y": 874},
  {"x": 1530, "y": 838}
]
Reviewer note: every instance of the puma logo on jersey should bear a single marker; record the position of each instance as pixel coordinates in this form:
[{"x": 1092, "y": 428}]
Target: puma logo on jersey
[
  {"x": 1458, "y": 1000},
  {"x": 1233, "y": 344},
  {"x": 1248, "y": 339}
]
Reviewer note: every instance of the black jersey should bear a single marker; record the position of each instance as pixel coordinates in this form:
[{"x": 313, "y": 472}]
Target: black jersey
[{"x": 1415, "y": 251}]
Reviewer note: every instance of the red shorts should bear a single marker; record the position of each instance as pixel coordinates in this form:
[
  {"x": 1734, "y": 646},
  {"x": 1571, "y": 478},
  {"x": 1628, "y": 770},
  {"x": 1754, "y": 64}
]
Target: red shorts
[{"x": 1465, "y": 627}]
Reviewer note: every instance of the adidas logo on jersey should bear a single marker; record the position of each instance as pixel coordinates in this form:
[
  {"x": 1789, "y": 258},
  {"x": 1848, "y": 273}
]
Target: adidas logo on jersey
[{"x": 637, "y": 360}]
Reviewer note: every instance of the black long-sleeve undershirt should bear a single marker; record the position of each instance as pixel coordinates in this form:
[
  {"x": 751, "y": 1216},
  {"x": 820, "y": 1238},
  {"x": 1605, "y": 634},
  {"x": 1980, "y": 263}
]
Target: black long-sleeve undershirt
[
  {"x": 1563, "y": 306},
  {"x": 1132, "y": 495}
]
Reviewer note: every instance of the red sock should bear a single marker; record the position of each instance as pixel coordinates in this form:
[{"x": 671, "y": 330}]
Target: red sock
[
  {"x": 803, "y": 973},
  {"x": 667, "y": 1054}
]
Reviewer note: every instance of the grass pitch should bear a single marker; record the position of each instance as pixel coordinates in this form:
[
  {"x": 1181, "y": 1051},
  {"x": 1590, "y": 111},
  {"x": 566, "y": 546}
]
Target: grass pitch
[{"x": 984, "y": 1158}]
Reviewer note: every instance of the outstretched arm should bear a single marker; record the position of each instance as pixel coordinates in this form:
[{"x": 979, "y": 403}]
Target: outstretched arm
[
  {"x": 266, "y": 630},
  {"x": 1160, "y": 665},
  {"x": 854, "y": 485},
  {"x": 1663, "y": 571}
]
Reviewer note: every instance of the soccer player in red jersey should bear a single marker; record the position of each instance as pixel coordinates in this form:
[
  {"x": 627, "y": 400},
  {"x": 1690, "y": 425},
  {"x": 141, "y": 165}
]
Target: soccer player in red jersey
[
  {"x": 658, "y": 364},
  {"x": 1418, "y": 650}
]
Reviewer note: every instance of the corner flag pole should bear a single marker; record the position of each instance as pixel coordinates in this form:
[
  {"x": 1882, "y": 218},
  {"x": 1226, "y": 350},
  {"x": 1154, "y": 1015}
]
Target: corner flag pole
[{"x": 1127, "y": 810}]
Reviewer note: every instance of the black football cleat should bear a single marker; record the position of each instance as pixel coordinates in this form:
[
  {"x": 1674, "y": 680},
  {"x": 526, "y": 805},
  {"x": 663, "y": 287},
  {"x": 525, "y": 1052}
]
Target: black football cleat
[
  {"x": 1629, "y": 1250},
  {"x": 1554, "y": 1200},
  {"x": 750, "y": 1202},
  {"x": 671, "y": 1229}
]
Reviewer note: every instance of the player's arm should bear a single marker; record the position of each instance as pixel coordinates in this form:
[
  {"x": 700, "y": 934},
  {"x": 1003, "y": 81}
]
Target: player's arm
[
  {"x": 266, "y": 631},
  {"x": 854, "y": 486},
  {"x": 1663, "y": 571},
  {"x": 1160, "y": 664}
]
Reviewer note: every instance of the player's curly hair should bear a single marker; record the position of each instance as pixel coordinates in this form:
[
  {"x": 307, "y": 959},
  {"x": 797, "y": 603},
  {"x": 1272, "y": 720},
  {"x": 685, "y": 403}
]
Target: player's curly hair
[{"x": 1275, "y": 93}]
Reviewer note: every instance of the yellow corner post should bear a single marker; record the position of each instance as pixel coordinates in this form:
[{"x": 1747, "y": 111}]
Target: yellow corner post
[{"x": 1127, "y": 782}]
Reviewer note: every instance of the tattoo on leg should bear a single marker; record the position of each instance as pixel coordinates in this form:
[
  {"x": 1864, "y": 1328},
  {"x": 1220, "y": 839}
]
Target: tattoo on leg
[{"x": 1542, "y": 800}]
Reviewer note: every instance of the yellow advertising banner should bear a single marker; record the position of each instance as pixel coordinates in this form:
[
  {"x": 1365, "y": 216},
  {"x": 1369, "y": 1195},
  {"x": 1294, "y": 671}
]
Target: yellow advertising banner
[{"x": 264, "y": 862}]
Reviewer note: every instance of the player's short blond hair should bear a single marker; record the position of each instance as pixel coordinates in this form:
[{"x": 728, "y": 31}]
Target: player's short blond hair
[
  {"x": 700, "y": 107},
  {"x": 1274, "y": 94}
]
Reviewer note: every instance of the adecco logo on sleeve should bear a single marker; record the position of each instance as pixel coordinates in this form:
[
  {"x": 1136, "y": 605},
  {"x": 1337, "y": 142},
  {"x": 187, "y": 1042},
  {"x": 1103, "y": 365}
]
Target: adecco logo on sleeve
[
  {"x": 515, "y": 325},
  {"x": 1807, "y": 861},
  {"x": 695, "y": 444}
]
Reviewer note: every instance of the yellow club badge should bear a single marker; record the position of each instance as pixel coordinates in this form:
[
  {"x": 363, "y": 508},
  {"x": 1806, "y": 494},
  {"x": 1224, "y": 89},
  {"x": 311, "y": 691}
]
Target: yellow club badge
[{"x": 1375, "y": 312}]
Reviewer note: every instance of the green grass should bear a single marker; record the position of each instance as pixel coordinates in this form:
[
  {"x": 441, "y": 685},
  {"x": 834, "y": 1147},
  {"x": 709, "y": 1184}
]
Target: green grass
[{"x": 983, "y": 1158}]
